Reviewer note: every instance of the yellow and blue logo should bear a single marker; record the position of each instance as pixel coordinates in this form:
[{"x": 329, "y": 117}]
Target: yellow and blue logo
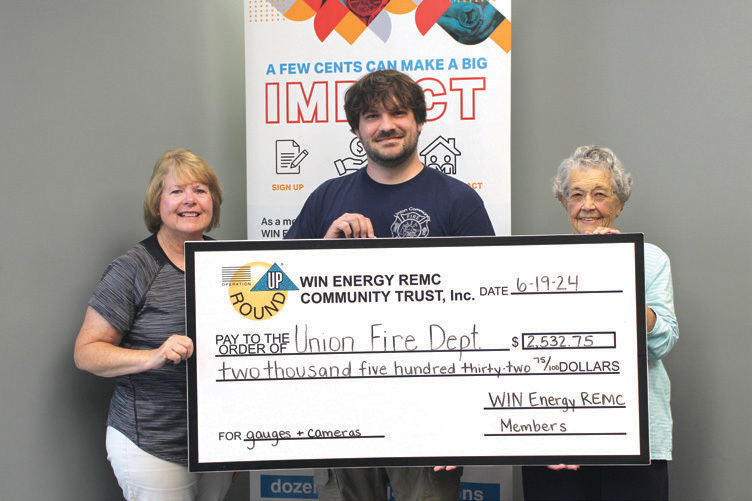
[{"x": 258, "y": 290}]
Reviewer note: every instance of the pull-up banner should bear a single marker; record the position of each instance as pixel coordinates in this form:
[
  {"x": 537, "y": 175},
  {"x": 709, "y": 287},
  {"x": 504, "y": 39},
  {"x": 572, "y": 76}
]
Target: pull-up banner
[
  {"x": 461, "y": 351},
  {"x": 302, "y": 55}
]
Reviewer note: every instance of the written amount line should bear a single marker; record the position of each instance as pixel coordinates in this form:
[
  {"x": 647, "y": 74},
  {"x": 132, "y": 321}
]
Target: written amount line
[{"x": 391, "y": 376}]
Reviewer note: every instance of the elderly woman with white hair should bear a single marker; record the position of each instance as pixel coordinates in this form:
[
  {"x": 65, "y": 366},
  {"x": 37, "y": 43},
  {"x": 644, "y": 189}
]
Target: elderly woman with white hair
[{"x": 593, "y": 188}]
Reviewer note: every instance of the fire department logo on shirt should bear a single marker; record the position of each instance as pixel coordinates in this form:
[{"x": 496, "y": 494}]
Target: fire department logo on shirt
[
  {"x": 258, "y": 291},
  {"x": 410, "y": 223}
]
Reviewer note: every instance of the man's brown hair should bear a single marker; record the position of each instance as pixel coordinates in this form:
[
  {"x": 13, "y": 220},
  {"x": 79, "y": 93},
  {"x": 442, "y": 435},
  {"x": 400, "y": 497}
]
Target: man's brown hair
[{"x": 387, "y": 88}]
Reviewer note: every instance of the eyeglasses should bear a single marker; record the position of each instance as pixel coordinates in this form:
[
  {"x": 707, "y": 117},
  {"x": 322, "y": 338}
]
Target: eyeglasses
[{"x": 598, "y": 195}]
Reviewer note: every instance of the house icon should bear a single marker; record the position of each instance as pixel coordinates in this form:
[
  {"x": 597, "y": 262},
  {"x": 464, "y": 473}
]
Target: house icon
[{"x": 442, "y": 155}]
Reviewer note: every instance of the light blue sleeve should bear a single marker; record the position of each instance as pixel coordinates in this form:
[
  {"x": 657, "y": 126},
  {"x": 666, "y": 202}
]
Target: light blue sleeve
[{"x": 659, "y": 296}]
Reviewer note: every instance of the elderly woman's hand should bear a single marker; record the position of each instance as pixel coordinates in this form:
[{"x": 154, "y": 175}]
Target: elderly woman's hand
[{"x": 602, "y": 230}]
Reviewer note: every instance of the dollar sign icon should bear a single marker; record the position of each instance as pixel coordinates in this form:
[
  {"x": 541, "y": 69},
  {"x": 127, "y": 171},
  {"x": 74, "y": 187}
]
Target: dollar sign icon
[{"x": 515, "y": 342}]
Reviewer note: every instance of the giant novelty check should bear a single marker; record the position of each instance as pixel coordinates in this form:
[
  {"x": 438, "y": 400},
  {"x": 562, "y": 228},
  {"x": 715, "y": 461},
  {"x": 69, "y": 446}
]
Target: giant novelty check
[{"x": 461, "y": 351}]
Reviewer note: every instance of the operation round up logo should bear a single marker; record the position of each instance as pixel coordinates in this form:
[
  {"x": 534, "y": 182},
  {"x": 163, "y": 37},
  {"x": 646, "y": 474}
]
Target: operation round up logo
[{"x": 258, "y": 290}]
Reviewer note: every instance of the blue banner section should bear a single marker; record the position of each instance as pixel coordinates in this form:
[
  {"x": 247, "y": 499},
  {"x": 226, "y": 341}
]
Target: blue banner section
[
  {"x": 473, "y": 491},
  {"x": 302, "y": 487},
  {"x": 287, "y": 487}
]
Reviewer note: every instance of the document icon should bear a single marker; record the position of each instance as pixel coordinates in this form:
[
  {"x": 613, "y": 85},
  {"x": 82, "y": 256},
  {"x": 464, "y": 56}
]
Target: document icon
[{"x": 289, "y": 156}]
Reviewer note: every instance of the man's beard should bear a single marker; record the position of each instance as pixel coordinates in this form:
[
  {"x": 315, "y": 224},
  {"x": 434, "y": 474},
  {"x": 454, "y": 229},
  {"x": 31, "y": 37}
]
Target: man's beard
[{"x": 394, "y": 159}]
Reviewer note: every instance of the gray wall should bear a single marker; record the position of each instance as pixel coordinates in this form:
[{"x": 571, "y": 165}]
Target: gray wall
[{"x": 92, "y": 92}]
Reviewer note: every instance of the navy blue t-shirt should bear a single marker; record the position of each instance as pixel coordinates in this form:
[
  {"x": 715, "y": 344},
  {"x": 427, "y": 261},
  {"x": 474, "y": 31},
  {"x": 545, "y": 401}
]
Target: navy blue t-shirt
[{"x": 432, "y": 204}]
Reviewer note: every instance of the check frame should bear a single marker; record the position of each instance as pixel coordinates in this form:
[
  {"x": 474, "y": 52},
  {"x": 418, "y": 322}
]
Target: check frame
[{"x": 573, "y": 304}]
